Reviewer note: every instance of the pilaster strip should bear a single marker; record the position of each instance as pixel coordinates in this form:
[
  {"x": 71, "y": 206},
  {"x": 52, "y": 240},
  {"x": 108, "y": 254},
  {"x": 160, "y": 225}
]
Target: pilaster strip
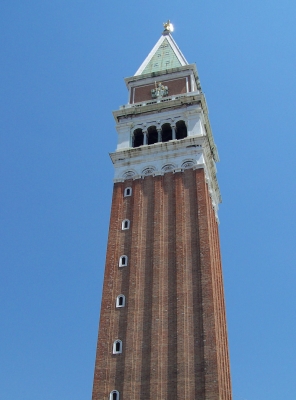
[
  {"x": 137, "y": 270},
  {"x": 210, "y": 358},
  {"x": 163, "y": 289},
  {"x": 123, "y": 286},
  {"x": 198, "y": 328},
  {"x": 187, "y": 180},
  {"x": 182, "y": 360},
  {"x": 147, "y": 229},
  {"x": 169, "y": 207},
  {"x": 215, "y": 291}
]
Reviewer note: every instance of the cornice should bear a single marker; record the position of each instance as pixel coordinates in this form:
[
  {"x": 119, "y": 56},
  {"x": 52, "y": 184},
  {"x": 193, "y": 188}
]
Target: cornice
[
  {"x": 137, "y": 78},
  {"x": 158, "y": 148},
  {"x": 159, "y": 105},
  {"x": 151, "y": 79}
]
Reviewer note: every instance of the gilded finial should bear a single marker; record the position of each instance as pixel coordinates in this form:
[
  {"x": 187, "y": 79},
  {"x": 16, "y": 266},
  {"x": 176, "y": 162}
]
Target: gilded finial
[{"x": 168, "y": 27}]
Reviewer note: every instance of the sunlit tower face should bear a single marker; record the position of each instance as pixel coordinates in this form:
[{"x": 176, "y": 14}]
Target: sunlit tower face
[{"x": 162, "y": 328}]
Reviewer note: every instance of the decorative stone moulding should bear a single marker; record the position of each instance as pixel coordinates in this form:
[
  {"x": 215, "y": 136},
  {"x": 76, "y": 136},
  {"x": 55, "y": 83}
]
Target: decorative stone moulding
[
  {"x": 188, "y": 164},
  {"x": 168, "y": 167},
  {"x": 148, "y": 171},
  {"x": 128, "y": 174},
  {"x": 151, "y": 170}
]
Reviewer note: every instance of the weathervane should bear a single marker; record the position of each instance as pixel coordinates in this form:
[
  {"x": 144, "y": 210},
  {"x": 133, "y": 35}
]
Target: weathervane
[{"x": 168, "y": 26}]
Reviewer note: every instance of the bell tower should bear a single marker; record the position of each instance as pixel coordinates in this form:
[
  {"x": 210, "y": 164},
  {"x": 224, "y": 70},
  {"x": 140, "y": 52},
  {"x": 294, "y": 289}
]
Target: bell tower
[{"x": 162, "y": 332}]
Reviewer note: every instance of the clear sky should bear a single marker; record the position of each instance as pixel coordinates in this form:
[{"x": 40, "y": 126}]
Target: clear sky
[{"x": 62, "y": 67}]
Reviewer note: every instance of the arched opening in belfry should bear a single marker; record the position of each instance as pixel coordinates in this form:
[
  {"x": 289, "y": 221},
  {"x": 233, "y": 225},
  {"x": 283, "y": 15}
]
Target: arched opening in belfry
[
  {"x": 152, "y": 135},
  {"x": 166, "y": 132},
  {"x": 138, "y": 138},
  {"x": 181, "y": 130}
]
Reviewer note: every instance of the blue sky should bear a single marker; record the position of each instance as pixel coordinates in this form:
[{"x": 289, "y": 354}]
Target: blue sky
[{"x": 62, "y": 68}]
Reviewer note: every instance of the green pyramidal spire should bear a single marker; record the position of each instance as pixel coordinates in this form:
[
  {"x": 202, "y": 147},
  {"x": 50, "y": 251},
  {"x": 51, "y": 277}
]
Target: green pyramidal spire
[
  {"x": 164, "y": 58},
  {"x": 164, "y": 55}
]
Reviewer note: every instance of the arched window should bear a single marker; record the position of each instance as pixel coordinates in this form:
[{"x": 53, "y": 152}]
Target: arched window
[
  {"x": 138, "y": 139},
  {"x": 181, "y": 130},
  {"x": 114, "y": 395},
  {"x": 166, "y": 132},
  {"x": 127, "y": 192},
  {"x": 125, "y": 224},
  {"x": 123, "y": 261},
  {"x": 117, "y": 347},
  {"x": 152, "y": 135},
  {"x": 120, "y": 301}
]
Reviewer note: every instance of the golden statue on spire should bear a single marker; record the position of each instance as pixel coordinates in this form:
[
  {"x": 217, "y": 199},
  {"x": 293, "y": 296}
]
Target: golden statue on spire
[{"x": 168, "y": 26}]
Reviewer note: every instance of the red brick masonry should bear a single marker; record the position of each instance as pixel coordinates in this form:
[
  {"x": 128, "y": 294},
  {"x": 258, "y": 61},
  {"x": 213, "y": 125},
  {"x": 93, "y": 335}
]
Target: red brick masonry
[
  {"x": 175, "y": 86},
  {"x": 173, "y": 327}
]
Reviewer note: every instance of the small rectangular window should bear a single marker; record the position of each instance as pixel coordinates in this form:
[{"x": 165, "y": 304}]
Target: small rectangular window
[
  {"x": 125, "y": 224},
  {"x": 127, "y": 192},
  {"x": 114, "y": 395},
  {"x": 123, "y": 261},
  {"x": 120, "y": 301},
  {"x": 117, "y": 347}
]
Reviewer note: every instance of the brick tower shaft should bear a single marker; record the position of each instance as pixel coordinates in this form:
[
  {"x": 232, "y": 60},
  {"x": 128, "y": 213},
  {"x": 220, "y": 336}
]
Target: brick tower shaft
[{"x": 162, "y": 328}]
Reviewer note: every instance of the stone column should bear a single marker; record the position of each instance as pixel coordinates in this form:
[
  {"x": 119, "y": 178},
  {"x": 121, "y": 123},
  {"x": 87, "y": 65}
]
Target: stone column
[
  {"x": 159, "y": 139},
  {"x": 173, "y": 132},
  {"x": 145, "y": 141}
]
